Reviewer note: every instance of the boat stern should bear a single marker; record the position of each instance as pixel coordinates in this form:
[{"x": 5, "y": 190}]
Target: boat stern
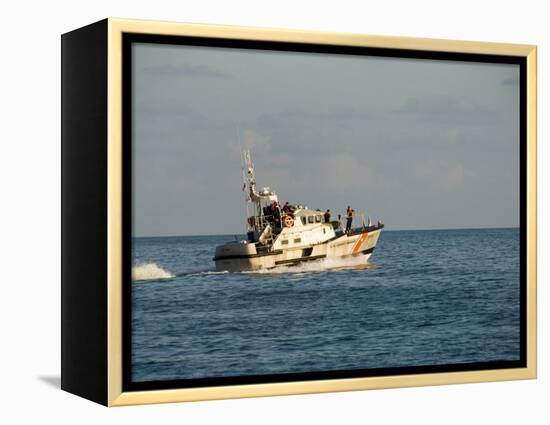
[{"x": 234, "y": 256}]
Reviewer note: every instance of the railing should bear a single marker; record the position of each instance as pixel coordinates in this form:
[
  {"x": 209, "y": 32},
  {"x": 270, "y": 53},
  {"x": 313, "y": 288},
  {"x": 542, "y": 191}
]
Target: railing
[
  {"x": 261, "y": 221},
  {"x": 362, "y": 215}
]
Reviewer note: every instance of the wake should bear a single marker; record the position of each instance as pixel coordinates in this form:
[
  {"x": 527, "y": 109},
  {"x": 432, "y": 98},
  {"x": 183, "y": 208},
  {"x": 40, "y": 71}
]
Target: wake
[{"x": 152, "y": 271}]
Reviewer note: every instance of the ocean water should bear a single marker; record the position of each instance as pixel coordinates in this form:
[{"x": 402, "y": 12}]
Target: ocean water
[{"x": 425, "y": 298}]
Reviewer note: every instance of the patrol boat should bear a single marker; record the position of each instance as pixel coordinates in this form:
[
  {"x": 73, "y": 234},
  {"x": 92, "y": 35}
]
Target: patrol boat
[{"x": 282, "y": 238}]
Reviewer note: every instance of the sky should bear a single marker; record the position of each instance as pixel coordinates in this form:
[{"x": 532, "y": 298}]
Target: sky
[{"x": 416, "y": 144}]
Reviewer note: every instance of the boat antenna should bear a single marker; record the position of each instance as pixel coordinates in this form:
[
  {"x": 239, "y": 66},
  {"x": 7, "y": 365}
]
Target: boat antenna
[{"x": 245, "y": 157}]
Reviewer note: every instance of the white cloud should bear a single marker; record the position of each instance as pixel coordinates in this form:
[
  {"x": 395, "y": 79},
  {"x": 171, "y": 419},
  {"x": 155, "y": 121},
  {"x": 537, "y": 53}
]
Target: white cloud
[{"x": 441, "y": 174}]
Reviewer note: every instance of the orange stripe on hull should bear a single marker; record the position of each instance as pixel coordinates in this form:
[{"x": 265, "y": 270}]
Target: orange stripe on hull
[{"x": 359, "y": 242}]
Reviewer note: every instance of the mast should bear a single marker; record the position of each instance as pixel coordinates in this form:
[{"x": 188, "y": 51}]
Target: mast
[
  {"x": 253, "y": 196},
  {"x": 249, "y": 175},
  {"x": 249, "y": 186},
  {"x": 265, "y": 194}
]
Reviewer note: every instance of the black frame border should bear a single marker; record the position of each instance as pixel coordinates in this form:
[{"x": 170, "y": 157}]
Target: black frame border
[{"x": 129, "y": 38}]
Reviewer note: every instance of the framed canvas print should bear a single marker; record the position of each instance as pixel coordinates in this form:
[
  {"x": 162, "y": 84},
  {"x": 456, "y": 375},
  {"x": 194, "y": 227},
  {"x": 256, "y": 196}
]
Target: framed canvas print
[{"x": 251, "y": 212}]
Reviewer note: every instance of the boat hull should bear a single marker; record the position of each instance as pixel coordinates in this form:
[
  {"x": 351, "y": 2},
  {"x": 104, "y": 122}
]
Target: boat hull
[{"x": 239, "y": 257}]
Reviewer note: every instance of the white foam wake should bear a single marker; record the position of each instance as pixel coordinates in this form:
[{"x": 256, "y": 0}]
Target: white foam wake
[
  {"x": 325, "y": 264},
  {"x": 149, "y": 271},
  {"x": 202, "y": 273}
]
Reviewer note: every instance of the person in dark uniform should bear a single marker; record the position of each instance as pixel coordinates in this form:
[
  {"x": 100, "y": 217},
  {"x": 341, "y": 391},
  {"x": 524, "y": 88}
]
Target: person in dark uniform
[
  {"x": 267, "y": 213},
  {"x": 327, "y": 216},
  {"x": 349, "y": 213},
  {"x": 276, "y": 214},
  {"x": 286, "y": 208}
]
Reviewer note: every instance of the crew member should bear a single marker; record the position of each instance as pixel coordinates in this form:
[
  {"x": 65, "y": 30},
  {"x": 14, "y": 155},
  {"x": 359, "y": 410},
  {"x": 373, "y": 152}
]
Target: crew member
[
  {"x": 349, "y": 213},
  {"x": 276, "y": 213},
  {"x": 327, "y": 216},
  {"x": 286, "y": 208}
]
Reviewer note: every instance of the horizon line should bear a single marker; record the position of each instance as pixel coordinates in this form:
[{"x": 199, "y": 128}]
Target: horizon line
[{"x": 385, "y": 230}]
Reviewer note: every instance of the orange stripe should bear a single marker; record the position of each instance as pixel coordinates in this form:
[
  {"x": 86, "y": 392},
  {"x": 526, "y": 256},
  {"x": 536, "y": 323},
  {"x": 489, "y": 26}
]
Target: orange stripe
[{"x": 359, "y": 242}]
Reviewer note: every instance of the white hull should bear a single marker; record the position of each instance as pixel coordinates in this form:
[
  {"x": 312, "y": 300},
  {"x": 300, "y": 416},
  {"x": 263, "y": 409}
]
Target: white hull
[{"x": 242, "y": 256}]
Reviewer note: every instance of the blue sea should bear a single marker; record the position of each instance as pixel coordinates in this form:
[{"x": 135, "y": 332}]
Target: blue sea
[{"x": 425, "y": 298}]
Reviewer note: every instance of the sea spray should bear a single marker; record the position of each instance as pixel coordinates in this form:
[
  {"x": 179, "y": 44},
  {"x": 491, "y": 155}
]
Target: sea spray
[{"x": 149, "y": 271}]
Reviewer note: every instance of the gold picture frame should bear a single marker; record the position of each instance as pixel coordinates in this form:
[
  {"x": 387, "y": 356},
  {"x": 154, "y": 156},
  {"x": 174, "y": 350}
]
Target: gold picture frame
[{"x": 108, "y": 35}]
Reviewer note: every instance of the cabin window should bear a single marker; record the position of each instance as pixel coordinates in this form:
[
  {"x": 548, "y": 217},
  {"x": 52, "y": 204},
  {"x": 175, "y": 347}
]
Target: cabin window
[
  {"x": 297, "y": 240},
  {"x": 285, "y": 242},
  {"x": 318, "y": 218},
  {"x": 304, "y": 220},
  {"x": 310, "y": 219}
]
